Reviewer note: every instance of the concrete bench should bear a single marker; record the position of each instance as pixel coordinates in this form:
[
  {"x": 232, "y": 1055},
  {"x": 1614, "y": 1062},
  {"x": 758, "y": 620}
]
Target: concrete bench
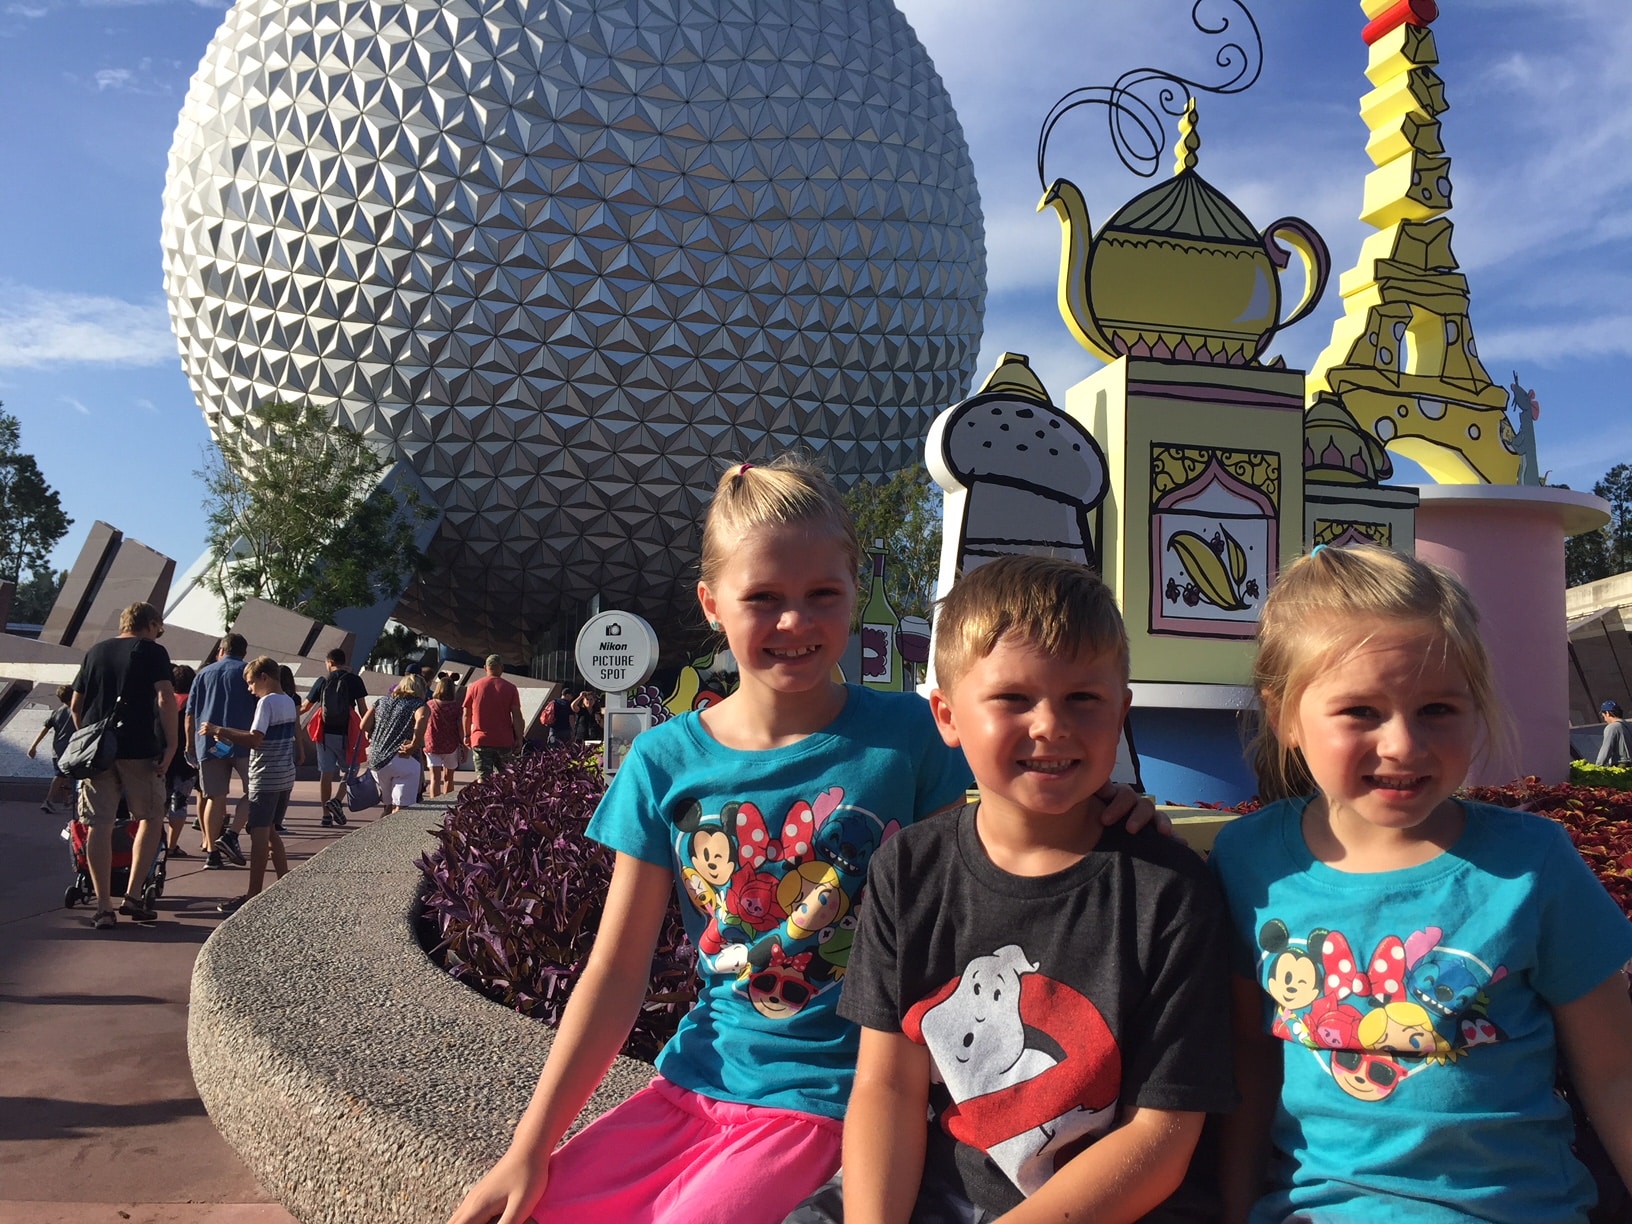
[{"x": 358, "y": 1081}]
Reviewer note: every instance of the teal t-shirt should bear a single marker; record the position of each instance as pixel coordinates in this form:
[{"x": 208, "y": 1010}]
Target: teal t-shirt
[
  {"x": 770, "y": 850},
  {"x": 1415, "y": 1011}
]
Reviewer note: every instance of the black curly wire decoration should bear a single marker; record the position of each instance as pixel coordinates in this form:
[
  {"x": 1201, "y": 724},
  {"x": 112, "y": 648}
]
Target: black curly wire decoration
[{"x": 1137, "y": 130}]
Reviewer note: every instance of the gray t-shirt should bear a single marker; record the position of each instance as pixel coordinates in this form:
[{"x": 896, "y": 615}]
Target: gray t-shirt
[
  {"x": 272, "y": 765},
  {"x": 1048, "y": 1003},
  {"x": 1616, "y": 749}
]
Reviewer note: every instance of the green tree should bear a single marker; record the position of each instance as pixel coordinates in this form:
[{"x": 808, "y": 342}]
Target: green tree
[
  {"x": 393, "y": 646},
  {"x": 35, "y": 596},
  {"x": 31, "y": 517},
  {"x": 1607, "y": 551},
  {"x": 295, "y": 515},
  {"x": 905, "y": 512}
]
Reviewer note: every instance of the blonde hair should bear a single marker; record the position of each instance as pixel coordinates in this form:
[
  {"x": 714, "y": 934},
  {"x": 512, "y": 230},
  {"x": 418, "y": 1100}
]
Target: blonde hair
[
  {"x": 139, "y": 616},
  {"x": 791, "y": 887},
  {"x": 261, "y": 665},
  {"x": 1328, "y": 604},
  {"x": 788, "y": 489},
  {"x": 445, "y": 689},
  {"x": 1373, "y": 1027},
  {"x": 409, "y": 686},
  {"x": 1059, "y": 607}
]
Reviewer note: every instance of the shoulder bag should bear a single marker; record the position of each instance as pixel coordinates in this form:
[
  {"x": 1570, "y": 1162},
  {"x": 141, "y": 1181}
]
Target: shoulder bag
[{"x": 93, "y": 748}]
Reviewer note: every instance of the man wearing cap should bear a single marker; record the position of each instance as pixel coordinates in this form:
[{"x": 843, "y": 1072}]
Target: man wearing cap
[
  {"x": 1616, "y": 749},
  {"x": 492, "y": 719}
]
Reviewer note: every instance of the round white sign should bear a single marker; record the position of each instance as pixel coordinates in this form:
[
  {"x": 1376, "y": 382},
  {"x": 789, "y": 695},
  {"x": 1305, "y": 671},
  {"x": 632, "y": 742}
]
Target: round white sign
[{"x": 616, "y": 651}]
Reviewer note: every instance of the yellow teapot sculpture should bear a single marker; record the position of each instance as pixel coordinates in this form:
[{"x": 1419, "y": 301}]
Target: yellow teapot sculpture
[{"x": 1179, "y": 273}]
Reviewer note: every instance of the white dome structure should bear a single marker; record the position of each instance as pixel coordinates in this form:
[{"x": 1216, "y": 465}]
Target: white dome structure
[{"x": 566, "y": 260}]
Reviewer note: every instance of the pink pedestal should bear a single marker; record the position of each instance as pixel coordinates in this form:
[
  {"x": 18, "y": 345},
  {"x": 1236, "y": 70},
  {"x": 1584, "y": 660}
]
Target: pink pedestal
[{"x": 1506, "y": 542}]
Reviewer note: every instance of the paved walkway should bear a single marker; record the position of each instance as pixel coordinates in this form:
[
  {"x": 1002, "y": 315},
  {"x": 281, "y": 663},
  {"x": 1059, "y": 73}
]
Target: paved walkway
[{"x": 99, "y": 1120}]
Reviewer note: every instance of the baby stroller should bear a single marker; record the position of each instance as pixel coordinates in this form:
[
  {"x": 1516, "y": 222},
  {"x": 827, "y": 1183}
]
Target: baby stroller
[{"x": 80, "y": 889}]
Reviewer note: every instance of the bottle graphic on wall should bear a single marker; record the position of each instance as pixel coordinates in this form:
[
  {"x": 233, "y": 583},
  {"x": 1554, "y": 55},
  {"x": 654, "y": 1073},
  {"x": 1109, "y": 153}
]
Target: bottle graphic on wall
[{"x": 880, "y": 629}]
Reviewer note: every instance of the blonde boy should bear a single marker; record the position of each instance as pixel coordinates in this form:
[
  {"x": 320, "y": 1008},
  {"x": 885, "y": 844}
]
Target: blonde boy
[{"x": 1052, "y": 990}]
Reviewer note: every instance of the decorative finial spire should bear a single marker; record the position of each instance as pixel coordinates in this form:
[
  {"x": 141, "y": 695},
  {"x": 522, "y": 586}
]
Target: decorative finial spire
[{"x": 1184, "y": 152}]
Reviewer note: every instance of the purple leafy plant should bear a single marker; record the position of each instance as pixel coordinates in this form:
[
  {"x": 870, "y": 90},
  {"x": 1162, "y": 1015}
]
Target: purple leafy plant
[{"x": 515, "y": 893}]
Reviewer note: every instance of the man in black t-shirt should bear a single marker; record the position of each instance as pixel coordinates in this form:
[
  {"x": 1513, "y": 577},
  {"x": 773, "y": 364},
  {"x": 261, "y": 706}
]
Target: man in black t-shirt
[
  {"x": 342, "y": 693},
  {"x": 129, "y": 678}
]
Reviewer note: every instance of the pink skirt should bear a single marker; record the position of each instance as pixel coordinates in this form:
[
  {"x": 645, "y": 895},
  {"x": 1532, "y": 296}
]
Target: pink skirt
[{"x": 667, "y": 1155}]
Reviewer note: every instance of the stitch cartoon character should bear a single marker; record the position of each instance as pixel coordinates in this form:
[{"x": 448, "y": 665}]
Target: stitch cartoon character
[
  {"x": 812, "y": 897},
  {"x": 1023, "y": 1105},
  {"x": 1443, "y": 983},
  {"x": 848, "y": 838},
  {"x": 781, "y": 989},
  {"x": 1450, "y": 986}
]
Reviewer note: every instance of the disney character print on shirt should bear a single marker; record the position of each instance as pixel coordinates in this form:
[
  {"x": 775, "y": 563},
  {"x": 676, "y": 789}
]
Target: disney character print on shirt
[
  {"x": 1032, "y": 1068},
  {"x": 1413, "y": 1005},
  {"x": 779, "y": 894}
]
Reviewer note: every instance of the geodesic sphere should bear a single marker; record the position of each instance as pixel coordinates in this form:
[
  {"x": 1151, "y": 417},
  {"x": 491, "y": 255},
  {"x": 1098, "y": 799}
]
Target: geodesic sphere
[{"x": 568, "y": 260}]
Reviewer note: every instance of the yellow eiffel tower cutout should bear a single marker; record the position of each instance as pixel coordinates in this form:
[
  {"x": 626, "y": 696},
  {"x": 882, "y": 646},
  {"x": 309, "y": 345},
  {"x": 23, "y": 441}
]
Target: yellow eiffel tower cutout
[{"x": 1402, "y": 358}]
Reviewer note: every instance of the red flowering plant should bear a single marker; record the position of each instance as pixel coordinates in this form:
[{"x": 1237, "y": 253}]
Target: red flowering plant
[{"x": 514, "y": 895}]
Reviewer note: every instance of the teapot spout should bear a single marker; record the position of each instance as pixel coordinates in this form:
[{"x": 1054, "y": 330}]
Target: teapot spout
[{"x": 1075, "y": 250}]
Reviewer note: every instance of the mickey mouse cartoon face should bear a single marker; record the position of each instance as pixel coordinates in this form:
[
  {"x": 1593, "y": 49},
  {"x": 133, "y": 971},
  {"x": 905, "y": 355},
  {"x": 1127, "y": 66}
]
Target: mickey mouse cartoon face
[
  {"x": 711, "y": 855},
  {"x": 1293, "y": 978}
]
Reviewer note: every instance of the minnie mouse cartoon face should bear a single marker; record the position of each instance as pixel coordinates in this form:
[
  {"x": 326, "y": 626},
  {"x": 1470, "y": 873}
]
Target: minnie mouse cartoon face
[{"x": 781, "y": 990}]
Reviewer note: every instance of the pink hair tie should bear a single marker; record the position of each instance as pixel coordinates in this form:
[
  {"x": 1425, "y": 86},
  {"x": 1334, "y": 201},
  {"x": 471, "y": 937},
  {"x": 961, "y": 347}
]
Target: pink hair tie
[{"x": 743, "y": 470}]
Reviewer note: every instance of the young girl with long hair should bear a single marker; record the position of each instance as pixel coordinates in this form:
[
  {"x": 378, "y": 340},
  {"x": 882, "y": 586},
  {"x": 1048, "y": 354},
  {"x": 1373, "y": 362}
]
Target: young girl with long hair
[
  {"x": 792, "y": 775},
  {"x": 1412, "y": 965}
]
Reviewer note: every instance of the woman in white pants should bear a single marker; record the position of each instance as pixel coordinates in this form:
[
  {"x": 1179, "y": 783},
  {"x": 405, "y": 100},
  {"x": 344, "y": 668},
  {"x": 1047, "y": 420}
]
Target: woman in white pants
[{"x": 395, "y": 726}]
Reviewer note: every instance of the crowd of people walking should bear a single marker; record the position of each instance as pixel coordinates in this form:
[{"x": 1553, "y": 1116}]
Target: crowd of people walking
[{"x": 231, "y": 734}]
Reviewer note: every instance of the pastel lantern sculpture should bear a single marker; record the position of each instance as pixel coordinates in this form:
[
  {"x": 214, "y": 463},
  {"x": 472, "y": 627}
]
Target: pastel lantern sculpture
[
  {"x": 1402, "y": 358},
  {"x": 1179, "y": 273},
  {"x": 1020, "y": 475}
]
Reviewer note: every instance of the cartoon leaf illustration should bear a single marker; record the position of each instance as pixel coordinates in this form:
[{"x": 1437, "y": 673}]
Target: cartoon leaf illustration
[
  {"x": 1238, "y": 559},
  {"x": 1206, "y": 570}
]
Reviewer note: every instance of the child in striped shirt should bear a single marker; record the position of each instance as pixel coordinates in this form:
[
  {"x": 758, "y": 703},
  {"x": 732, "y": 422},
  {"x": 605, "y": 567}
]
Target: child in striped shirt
[{"x": 271, "y": 741}]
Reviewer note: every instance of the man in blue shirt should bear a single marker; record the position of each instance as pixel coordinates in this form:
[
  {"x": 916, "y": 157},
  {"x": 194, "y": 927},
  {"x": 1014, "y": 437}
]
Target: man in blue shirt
[{"x": 219, "y": 695}]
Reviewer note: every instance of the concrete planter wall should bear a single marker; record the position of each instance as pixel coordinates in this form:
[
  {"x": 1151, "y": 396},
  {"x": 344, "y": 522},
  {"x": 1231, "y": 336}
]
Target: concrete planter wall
[{"x": 359, "y": 1082}]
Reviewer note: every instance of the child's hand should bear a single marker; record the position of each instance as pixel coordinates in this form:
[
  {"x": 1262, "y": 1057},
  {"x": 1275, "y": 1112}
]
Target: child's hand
[
  {"x": 1124, "y": 803},
  {"x": 507, "y": 1195}
]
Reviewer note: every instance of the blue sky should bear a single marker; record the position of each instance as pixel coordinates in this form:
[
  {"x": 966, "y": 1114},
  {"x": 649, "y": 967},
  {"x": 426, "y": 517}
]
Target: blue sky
[{"x": 1539, "y": 132}]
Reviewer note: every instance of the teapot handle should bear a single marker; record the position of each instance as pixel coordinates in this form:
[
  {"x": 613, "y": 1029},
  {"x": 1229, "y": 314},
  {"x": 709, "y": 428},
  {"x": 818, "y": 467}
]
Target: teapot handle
[{"x": 1317, "y": 261}]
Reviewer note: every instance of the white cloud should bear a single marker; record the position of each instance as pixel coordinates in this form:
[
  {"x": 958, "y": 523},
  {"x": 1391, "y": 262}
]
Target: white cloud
[
  {"x": 1552, "y": 343},
  {"x": 74, "y": 404},
  {"x": 114, "y": 78},
  {"x": 47, "y": 329}
]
